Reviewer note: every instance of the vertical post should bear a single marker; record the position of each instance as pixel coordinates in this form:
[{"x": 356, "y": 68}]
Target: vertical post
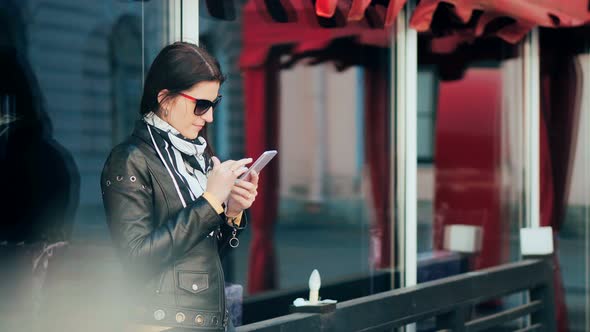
[
  {"x": 531, "y": 138},
  {"x": 411, "y": 150},
  {"x": 406, "y": 112},
  {"x": 398, "y": 41},
  {"x": 174, "y": 21},
  {"x": 532, "y": 125},
  {"x": 190, "y": 21},
  {"x": 406, "y": 73}
]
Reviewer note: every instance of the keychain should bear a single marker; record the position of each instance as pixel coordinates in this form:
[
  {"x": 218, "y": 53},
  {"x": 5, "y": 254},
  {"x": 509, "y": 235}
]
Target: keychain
[{"x": 234, "y": 242}]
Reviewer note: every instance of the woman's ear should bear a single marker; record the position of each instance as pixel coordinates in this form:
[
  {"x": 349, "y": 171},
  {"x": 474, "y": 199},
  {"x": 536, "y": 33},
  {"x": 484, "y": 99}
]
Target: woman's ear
[{"x": 161, "y": 95}]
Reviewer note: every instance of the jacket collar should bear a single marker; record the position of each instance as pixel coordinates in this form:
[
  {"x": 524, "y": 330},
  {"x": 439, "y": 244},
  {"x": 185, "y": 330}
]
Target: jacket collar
[{"x": 140, "y": 131}]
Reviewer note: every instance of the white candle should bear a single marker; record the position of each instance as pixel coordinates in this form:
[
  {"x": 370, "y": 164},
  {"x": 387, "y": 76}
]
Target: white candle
[{"x": 314, "y": 287}]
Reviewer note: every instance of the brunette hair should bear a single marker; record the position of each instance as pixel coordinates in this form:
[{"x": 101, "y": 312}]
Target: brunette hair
[{"x": 178, "y": 67}]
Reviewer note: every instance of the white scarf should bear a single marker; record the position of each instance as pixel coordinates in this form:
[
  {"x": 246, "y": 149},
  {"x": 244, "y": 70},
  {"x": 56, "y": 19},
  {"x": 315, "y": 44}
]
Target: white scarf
[{"x": 196, "y": 180}]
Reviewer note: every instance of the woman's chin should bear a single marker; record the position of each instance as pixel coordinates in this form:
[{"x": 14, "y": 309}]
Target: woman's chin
[{"x": 192, "y": 133}]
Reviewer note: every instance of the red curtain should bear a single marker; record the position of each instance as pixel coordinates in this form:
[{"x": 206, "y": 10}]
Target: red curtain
[
  {"x": 560, "y": 108},
  {"x": 261, "y": 92},
  {"x": 377, "y": 153}
]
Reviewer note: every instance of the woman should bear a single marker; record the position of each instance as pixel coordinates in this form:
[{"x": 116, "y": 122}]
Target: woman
[{"x": 170, "y": 204}]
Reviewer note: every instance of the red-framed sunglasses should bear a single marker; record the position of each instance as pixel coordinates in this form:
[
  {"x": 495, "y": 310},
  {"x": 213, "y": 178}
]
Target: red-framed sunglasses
[{"x": 202, "y": 105}]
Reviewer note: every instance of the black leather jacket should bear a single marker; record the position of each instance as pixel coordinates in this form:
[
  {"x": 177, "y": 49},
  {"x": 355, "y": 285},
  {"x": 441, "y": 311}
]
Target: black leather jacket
[{"x": 171, "y": 253}]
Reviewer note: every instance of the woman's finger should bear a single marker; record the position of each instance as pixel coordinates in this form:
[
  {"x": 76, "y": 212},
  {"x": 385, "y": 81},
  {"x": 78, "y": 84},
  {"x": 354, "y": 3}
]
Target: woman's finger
[
  {"x": 240, "y": 163},
  {"x": 245, "y": 184},
  {"x": 240, "y": 171},
  {"x": 233, "y": 163},
  {"x": 241, "y": 192}
]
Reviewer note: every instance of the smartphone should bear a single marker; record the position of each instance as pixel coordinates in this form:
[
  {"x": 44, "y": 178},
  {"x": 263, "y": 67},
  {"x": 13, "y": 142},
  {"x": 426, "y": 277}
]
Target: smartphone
[{"x": 259, "y": 164}]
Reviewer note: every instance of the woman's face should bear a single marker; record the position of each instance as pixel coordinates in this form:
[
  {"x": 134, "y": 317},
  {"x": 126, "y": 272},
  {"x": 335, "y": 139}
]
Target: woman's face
[{"x": 180, "y": 109}]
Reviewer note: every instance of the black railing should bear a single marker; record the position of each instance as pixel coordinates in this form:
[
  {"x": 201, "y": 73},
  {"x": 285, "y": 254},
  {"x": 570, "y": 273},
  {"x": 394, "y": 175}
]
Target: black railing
[
  {"x": 449, "y": 301},
  {"x": 276, "y": 303}
]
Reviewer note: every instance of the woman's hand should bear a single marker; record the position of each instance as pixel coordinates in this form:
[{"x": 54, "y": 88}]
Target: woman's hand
[
  {"x": 242, "y": 195},
  {"x": 223, "y": 176}
]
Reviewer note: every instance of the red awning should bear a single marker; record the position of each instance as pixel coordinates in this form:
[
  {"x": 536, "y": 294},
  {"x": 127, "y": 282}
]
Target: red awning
[
  {"x": 510, "y": 20},
  {"x": 302, "y": 29},
  {"x": 526, "y": 13},
  {"x": 356, "y": 11},
  {"x": 451, "y": 22}
]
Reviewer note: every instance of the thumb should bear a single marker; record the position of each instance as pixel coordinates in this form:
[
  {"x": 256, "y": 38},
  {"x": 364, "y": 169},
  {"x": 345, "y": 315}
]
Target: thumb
[{"x": 216, "y": 162}]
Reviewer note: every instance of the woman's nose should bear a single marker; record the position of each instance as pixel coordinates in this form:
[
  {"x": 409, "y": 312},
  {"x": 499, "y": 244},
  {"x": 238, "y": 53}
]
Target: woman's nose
[{"x": 208, "y": 116}]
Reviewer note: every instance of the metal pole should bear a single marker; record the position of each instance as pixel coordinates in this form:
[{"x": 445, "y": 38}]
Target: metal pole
[
  {"x": 532, "y": 134},
  {"x": 174, "y": 20},
  {"x": 406, "y": 73},
  {"x": 398, "y": 41},
  {"x": 532, "y": 125},
  {"x": 406, "y": 86}
]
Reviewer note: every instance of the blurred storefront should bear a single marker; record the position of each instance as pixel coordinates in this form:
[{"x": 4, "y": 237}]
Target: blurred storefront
[{"x": 392, "y": 120}]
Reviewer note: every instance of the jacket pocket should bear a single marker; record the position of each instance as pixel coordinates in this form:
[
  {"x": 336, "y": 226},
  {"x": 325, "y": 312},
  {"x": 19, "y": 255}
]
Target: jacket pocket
[{"x": 193, "y": 282}]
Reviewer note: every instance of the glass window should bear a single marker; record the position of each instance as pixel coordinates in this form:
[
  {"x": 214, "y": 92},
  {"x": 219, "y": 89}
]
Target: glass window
[
  {"x": 314, "y": 92},
  {"x": 72, "y": 77},
  {"x": 474, "y": 184}
]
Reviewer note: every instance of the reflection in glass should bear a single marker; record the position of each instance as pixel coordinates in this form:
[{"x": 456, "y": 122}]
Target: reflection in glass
[{"x": 71, "y": 77}]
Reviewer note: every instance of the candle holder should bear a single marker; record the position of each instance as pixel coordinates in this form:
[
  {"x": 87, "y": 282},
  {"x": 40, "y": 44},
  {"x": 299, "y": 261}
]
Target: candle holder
[{"x": 319, "y": 308}]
